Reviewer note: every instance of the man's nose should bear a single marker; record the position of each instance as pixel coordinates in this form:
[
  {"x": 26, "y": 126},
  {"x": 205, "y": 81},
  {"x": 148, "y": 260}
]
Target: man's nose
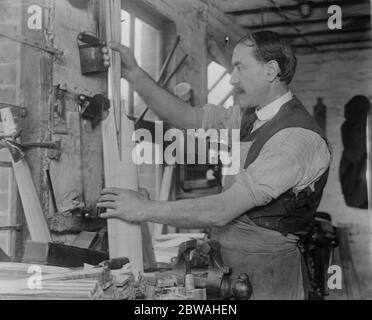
[{"x": 234, "y": 78}]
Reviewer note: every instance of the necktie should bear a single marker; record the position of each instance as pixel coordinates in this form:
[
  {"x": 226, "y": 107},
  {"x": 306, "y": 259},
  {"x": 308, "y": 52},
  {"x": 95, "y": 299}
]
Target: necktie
[{"x": 248, "y": 120}]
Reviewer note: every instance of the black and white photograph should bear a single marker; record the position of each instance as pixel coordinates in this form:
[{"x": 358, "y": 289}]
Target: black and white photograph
[{"x": 206, "y": 152}]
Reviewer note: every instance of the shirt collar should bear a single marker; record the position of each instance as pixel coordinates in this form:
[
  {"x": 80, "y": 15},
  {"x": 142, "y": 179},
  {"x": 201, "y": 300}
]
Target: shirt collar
[{"x": 270, "y": 110}]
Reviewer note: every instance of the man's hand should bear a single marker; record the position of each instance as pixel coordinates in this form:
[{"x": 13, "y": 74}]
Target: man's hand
[
  {"x": 128, "y": 61},
  {"x": 125, "y": 204}
]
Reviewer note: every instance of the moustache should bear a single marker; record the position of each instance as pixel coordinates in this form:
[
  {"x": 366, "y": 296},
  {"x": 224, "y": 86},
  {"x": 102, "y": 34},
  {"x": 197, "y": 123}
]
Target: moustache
[{"x": 238, "y": 90}]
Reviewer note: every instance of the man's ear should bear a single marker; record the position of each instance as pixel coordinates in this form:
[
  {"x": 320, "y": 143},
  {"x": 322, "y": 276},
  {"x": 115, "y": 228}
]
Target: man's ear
[{"x": 272, "y": 70}]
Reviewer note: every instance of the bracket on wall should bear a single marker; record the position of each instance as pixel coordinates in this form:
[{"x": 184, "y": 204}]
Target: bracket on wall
[
  {"x": 33, "y": 44},
  {"x": 95, "y": 109},
  {"x": 59, "y": 123},
  {"x": 17, "y": 110}
]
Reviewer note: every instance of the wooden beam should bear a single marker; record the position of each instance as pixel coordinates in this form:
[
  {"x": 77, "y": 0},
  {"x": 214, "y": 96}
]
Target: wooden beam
[
  {"x": 369, "y": 154},
  {"x": 334, "y": 38},
  {"x": 369, "y": 166},
  {"x": 327, "y": 32},
  {"x": 236, "y": 5},
  {"x": 294, "y": 8},
  {"x": 125, "y": 239},
  {"x": 219, "y": 25},
  {"x": 164, "y": 195},
  {"x": 326, "y": 43},
  {"x": 321, "y": 26},
  {"x": 340, "y": 47},
  {"x": 39, "y": 230},
  {"x": 254, "y": 25}
]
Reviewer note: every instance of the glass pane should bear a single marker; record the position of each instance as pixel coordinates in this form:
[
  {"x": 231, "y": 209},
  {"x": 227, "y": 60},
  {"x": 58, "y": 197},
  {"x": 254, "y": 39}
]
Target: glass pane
[
  {"x": 214, "y": 72},
  {"x": 125, "y": 28},
  {"x": 229, "y": 102},
  {"x": 147, "y": 52},
  {"x": 220, "y": 91}
]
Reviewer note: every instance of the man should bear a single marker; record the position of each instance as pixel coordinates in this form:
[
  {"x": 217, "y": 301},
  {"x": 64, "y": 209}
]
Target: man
[{"x": 284, "y": 166}]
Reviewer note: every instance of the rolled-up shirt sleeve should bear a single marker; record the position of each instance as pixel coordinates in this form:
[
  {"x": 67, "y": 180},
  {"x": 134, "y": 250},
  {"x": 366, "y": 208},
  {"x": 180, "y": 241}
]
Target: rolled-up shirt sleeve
[{"x": 294, "y": 158}]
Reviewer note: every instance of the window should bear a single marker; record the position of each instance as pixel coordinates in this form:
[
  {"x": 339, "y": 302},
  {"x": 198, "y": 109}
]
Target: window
[
  {"x": 142, "y": 33},
  {"x": 220, "y": 92}
]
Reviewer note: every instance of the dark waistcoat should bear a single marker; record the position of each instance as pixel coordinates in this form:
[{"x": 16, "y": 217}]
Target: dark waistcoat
[{"x": 290, "y": 212}]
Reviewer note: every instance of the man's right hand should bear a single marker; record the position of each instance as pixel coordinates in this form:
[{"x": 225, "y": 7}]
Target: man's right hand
[
  {"x": 168, "y": 107},
  {"x": 129, "y": 64}
]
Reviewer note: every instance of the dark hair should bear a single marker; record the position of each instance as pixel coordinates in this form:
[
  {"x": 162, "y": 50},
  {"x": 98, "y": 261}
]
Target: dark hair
[{"x": 272, "y": 46}]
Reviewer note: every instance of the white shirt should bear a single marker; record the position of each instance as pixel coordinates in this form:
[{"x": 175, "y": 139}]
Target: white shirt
[
  {"x": 269, "y": 111},
  {"x": 294, "y": 158}
]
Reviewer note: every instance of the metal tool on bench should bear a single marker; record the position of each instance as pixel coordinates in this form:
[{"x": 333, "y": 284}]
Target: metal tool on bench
[
  {"x": 184, "y": 262},
  {"x": 220, "y": 283},
  {"x": 114, "y": 264}
]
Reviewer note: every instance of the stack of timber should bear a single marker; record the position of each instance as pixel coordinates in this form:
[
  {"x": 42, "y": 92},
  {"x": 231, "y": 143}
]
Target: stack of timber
[{"x": 28, "y": 282}]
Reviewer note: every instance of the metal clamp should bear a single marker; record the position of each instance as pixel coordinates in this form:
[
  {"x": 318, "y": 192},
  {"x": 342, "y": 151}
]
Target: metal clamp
[{"x": 16, "y": 227}]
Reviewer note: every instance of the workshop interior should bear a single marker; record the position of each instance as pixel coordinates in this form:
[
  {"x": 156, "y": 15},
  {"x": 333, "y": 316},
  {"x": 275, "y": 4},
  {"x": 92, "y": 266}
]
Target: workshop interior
[{"x": 69, "y": 124}]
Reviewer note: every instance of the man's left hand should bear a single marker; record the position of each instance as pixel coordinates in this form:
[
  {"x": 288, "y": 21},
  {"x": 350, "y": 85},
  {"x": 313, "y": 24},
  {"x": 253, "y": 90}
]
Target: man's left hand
[{"x": 124, "y": 204}]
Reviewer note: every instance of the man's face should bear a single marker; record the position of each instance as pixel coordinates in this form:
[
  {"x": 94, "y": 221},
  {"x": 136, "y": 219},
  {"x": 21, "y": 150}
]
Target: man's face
[{"x": 249, "y": 77}]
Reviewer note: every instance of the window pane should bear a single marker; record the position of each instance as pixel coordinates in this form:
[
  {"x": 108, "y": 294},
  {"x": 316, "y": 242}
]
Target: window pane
[
  {"x": 229, "y": 102},
  {"x": 220, "y": 91},
  {"x": 147, "y": 52},
  {"x": 125, "y": 28},
  {"x": 214, "y": 72}
]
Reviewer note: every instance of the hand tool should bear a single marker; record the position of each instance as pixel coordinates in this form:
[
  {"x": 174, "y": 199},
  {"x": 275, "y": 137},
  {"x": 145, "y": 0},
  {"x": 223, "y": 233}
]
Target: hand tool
[
  {"x": 114, "y": 264},
  {"x": 57, "y": 254}
]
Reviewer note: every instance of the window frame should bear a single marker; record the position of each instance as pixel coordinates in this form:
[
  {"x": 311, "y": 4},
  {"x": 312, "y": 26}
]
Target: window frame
[{"x": 141, "y": 11}]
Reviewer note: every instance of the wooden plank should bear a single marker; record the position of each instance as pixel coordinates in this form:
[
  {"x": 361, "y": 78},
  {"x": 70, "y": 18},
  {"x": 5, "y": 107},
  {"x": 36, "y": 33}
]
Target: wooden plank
[
  {"x": 125, "y": 239},
  {"x": 351, "y": 281},
  {"x": 82, "y": 154},
  {"x": 164, "y": 195},
  {"x": 86, "y": 239},
  {"x": 66, "y": 173},
  {"x": 37, "y": 225},
  {"x": 3, "y": 256},
  {"x": 369, "y": 166},
  {"x": 13, "y": 208},
  {"x": 149, "y": 261},
  {"x": 68, "y": 23}
]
